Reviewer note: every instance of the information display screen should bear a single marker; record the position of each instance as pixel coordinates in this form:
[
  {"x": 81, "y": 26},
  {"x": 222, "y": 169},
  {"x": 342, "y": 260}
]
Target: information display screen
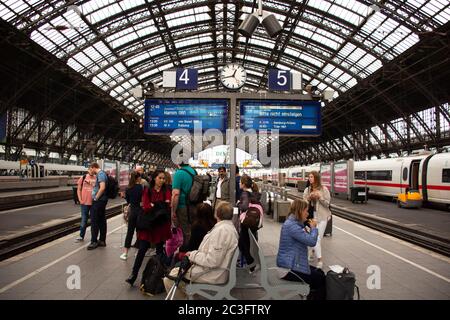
[
  {"x": 167, "y": 115},
  {"x": 3, "y": 128},
  {"x": 288, "y": 116}
]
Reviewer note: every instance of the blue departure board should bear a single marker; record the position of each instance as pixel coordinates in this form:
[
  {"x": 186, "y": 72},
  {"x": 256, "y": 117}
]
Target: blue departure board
[
  {"x": 3, "y": 124},
  {"x": 288, "y": 116},
  {"x": 167, "y": 115}
]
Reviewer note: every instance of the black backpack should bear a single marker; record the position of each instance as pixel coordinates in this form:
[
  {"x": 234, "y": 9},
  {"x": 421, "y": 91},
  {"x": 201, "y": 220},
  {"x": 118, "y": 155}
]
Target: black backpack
[
  {"x": 200, "y": 187},
  {"x": 152, "y": 277},
  {"x": 112, "y": 187}
]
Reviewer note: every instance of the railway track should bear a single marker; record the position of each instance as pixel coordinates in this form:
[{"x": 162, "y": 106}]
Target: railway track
[
  {"x": 15, "y": 245},
  {"x": 424, "y": 239}
]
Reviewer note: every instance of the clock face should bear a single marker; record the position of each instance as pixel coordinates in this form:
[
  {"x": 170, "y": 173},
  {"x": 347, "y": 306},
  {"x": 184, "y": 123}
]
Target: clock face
[{"x": 233, "y": 76}]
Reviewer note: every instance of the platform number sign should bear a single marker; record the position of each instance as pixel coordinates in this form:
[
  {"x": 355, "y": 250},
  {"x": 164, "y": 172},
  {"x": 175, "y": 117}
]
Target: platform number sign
[
  {"x": 279, "y": 80},
  {"x": 187, "y": 79}
]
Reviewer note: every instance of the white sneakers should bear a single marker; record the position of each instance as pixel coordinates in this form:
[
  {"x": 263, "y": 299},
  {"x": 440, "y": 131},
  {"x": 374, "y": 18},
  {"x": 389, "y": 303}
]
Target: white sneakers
[
  {"x": 319, "y": 265},
  {"x": 124, "y": 256},
  {"x": 79, "y": 239},
  {"x": 311, "y": 256}
]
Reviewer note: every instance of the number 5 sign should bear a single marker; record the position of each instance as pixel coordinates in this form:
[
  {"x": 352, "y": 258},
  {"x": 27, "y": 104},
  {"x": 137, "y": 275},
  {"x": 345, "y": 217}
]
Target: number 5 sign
[
  {"x": 187, "y": 79},
  {"x": 279, "y": 80}
]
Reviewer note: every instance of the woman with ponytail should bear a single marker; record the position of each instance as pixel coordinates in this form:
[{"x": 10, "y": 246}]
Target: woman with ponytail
[{"x": 250, "y": 194}]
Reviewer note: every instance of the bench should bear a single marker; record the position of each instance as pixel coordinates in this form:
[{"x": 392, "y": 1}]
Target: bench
[
  {"x": 269, "y": 279},
  {"x": 240, "y": 278},
  {"x": 222, "y": 291}
]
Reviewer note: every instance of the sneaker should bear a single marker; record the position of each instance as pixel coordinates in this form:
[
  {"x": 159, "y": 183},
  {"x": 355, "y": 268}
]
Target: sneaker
[
  {"x": 124, "y": 256},
  {"x": 319, "y": 265},
  {"x": 311, "y": 256},
  {"x": 102, "y": 244},
  {"x": 92, "y": 246},
  {"x": 251, "y": 267},
  {"x": 79, "y": 239}
]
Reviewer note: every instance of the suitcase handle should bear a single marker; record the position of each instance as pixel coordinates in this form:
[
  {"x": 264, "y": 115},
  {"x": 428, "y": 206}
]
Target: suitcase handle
[{"x": 357, "y": 291}]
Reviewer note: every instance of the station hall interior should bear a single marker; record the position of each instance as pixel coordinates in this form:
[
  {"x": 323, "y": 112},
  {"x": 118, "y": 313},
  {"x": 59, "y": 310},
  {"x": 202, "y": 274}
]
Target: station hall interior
[{"x": 273, "y": 90}]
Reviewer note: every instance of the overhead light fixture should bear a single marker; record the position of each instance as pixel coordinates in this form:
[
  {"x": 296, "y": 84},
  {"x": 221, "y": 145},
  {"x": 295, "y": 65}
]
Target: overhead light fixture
[
  {"x": 272, "y": 26},
  {"x": 251, "y": 22}
]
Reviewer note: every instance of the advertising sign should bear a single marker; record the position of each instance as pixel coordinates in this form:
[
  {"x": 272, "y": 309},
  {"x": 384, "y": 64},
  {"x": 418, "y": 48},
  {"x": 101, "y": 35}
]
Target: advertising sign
[
  {"x": 124, "y": 171},
  {"x": 340, "y": 177},
  {"x": 325, "y": 175},
  {"x": 110, "y": 167}
]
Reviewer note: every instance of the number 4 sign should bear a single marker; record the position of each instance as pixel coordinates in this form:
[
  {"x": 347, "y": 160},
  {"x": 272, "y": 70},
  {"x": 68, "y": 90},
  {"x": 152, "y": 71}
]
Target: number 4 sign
[{"x": 187, "y": 79}]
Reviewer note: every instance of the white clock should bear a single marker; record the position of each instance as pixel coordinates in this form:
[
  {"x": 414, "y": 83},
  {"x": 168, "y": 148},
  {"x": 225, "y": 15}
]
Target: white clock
[{"x": 233, "y": 76}]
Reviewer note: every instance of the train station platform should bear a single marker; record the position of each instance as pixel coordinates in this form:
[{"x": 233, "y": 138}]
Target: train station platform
[
  {"x": 406, "y": 271},
  {"x": 18, "y": 221},
  {"x": 424, "y": 220},
  {"x": 24, "y": 198}
]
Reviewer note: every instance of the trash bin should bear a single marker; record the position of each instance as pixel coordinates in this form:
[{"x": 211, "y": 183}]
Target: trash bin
[
  {"x": 360, "y": 194},
  {"x": 281, "y": 210}
]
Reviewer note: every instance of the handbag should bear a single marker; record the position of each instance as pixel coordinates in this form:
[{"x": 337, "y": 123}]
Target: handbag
[
  {"x": 159, "y": 215},
  {"x": 125, "y": 212}
]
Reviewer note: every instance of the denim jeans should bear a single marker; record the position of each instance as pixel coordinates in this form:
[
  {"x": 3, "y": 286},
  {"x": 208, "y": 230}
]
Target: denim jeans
[
  {"x": 98, "y": 221},
  {"x": 85, "y": 209}
]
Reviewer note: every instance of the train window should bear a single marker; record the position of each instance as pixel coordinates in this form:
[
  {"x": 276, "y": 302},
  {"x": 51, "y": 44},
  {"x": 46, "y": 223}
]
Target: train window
[
  {"x": 405, "y": 174},
  {"x": 446, "y": 175},
  {"x": 384, "y": 175},
  {"x": 360, "y": 175}
]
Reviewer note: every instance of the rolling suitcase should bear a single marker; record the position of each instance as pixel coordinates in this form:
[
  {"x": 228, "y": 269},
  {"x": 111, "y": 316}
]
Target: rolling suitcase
[
  {"x": 329, "y": 227},
  {"x": 341, "y": 286}
]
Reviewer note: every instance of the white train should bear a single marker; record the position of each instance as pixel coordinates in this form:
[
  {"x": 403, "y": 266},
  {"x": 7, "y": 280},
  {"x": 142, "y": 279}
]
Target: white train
[
  {"x": 428, "y": 173},
  {"x": 39, "y": 170}
]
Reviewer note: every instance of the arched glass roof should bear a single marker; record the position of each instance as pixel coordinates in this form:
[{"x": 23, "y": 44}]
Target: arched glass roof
[{"x": 119, "y": 45}]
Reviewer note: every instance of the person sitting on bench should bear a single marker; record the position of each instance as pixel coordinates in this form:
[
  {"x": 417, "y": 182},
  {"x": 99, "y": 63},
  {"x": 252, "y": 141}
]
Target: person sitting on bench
[
  {"x": 213, "y": 255},
  {"x": 297, "y": 234}
]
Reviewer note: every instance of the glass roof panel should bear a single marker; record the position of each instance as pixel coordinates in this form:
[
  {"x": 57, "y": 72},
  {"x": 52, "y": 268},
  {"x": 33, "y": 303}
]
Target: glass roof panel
[
  {"x": 105, "y": 12},
  {"x": 381, "y": 35},
  {"x": 319, "y": 4}
]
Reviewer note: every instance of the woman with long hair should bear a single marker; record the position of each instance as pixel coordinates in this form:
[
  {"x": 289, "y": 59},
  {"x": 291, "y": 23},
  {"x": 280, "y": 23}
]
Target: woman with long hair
[
  {"x": 156, "y": 196},
  {"x": 203, "y": 222},
  {"x": 133, "y": 196},
  {"x": 319, "y": 199},
  {"x": 250, "y": 193},
  {"x": 297, "y": 234}
]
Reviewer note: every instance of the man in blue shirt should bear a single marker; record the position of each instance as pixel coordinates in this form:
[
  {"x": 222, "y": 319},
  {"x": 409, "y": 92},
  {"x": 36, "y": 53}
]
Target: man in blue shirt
[{"x": 98, "y": 215}]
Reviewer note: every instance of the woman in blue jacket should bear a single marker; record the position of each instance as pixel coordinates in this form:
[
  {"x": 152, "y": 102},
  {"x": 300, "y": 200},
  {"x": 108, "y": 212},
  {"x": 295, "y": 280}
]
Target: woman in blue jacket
[{"x": 297, "y": 234}]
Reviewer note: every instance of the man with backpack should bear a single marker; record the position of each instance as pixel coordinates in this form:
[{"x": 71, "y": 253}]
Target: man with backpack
[
  {"x": 84, "y": 193},
  {"x": 181, "y": 188},
  {"x": 99, "y": 201},
  {"x": 188, "y": 190}
]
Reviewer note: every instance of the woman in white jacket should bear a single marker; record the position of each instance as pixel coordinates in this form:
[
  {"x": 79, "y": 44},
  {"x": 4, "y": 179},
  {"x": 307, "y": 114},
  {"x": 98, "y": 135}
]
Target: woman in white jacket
[
  {"x": 215, "y": 251},
  {"x": 319, "y": 197}
]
